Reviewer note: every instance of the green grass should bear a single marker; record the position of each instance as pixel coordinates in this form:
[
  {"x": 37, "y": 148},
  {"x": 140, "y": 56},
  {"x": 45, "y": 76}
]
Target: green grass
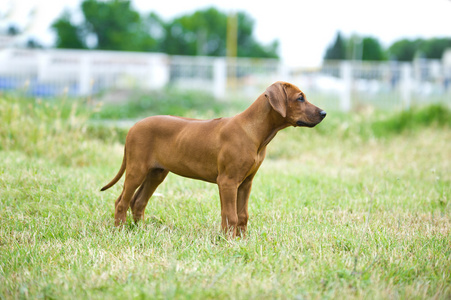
[
  {"x": 339, "y": 211},
  {"x": 165, "y": 102}
]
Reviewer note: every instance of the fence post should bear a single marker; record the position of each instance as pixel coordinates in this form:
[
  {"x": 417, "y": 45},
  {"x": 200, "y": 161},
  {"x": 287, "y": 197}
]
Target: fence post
[
  {"x": 43, "y": 63},
  {"x": 219, "y": 78},
  {"x": 159, "y": 71},
  {"x": 346, "y": 77},
  {"x": 84, "y": 79},
  {"x": 406, "y": 84}
]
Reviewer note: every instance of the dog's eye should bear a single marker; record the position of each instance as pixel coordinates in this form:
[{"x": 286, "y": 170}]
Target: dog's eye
[{"x": 301, "y": 98}]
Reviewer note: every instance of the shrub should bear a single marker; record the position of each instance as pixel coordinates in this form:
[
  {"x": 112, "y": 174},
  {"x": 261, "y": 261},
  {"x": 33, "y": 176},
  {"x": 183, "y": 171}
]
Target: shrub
[{"x": 412, "y": 119}]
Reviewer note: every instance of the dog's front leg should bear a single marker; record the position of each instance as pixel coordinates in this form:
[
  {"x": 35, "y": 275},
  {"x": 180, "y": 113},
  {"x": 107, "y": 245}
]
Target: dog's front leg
[
  {"x": 242, "y": 201},
  {"x": 228, "y": 194}
]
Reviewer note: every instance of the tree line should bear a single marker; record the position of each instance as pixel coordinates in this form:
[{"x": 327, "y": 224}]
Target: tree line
[
  {"x": 370, "y": 49},
  {"x": 116, "y": 25}
]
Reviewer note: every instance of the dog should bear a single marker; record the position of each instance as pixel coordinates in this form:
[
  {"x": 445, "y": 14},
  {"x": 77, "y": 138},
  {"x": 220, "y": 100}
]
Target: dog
[{"x": 225, "y": 151}]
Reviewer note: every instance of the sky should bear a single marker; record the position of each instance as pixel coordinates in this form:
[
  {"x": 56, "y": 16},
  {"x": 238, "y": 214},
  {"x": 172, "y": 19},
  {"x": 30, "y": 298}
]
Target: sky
[{"x": 304, "y": 28}]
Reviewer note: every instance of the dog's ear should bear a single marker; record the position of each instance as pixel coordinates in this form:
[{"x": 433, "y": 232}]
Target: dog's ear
[{"x": 277, "y": 97}]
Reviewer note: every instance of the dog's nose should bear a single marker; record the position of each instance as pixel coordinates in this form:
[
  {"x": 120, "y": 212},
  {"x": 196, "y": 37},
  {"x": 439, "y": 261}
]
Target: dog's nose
[{"x": 322, "y": 114}]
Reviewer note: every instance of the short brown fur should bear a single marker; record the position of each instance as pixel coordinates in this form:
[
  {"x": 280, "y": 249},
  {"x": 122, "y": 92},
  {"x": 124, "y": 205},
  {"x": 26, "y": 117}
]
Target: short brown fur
[{"x": 225, "y": 151}]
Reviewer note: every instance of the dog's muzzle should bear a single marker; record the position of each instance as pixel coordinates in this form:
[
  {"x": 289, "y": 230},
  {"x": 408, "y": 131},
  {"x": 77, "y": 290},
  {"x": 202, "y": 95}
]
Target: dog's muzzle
[{"x": 322, "y": 115}]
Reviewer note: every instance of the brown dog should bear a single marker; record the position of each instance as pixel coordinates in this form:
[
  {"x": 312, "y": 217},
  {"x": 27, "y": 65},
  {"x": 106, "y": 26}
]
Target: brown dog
[{"x": 225, "y": 151}]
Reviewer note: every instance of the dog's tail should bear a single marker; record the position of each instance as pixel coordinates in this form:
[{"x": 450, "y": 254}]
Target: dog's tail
[{"x": 118, "y": 175}]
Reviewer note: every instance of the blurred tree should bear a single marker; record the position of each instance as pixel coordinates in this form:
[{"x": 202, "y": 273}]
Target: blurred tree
[
  {"x": 337, "y": 50},
  {"x": 116, "y": 26},
  {"x": 404, "y": 50},
  {"x": 356, "y": 47},
  {"x": 68, "y": 34},
  {"x": 435, "y": 47},
  {"x": 204, "y": 33},
  {"x": 201, "y": 33},
  {"x": 33, "y": 44},
  {"x": 372, "y": 49},
  {"x": 13, "y": 30},
  {"x": 154, "y": 26},
  {"x": 108, "y": 25}
]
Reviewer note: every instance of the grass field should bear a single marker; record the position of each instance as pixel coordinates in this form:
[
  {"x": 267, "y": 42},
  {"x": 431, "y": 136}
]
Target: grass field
[{"x": 358, "y": 207}]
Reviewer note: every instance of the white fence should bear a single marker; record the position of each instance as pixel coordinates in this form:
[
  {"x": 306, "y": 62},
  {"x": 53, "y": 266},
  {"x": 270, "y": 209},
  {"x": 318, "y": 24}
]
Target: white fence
[
  {"x": 340, "y": 85},
  {"x": 384, "y": 85},
  {"x": 79, "y": 73}
]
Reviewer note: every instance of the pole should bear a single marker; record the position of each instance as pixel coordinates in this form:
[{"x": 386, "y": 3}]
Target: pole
[{"x": 232, "y": 47}]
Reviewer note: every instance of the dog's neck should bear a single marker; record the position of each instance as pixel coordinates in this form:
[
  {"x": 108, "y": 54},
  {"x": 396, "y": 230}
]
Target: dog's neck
[{"x": 261, "y": 121}]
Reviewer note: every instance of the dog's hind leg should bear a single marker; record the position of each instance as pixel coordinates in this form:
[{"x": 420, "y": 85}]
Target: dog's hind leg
[
  {"x": 118, "y": 199},
  {"x": 139, "y": 202},
  {"x": 133, "y": 180}
]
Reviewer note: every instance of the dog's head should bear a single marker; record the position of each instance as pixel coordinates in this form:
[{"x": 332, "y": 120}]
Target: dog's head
[{"x": 291, "y": 103}]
